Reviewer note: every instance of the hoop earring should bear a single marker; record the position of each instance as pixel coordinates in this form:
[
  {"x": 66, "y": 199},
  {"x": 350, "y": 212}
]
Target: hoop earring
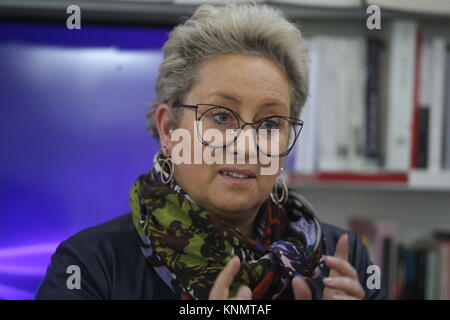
[
  {"x": 165, "y": 162},
  {"x": 279, "y": 199}
]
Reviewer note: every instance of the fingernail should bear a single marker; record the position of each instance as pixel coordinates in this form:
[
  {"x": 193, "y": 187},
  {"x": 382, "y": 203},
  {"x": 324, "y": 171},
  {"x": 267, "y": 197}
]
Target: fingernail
[
  {"x": 245, "y": 293},
  {"x": 233, "y": 260},
  {"x": 328, "y": 280}
]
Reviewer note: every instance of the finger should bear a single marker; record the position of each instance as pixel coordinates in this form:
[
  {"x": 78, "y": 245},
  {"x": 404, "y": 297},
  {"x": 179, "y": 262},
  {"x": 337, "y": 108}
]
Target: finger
[
  {"x": 221, "y": 287},
  {"x": 301, "y": 289},
  {"x": 342, "y": 247},
  {"x": 340, "y": 267},
  {"x": 243, "y": 293},
  {"x": 328, "y": 293},
  {"x": 341, "y": 252},
  {"x": 347, "y": 285},
  {"x": 343, "y": 297}
]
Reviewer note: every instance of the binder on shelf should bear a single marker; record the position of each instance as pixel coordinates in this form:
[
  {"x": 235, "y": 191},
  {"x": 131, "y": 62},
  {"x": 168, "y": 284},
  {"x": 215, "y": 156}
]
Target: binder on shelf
[
  {"x": 418, "y": 123},
  {"x": 435, "y": 142},
  {"x": 432, "y": 275},
  {"x": 422, "y": 137},
  {"x": 421, "y": 131},
  {"x": 373, "y": 100},
  {"x": 402, "y": 53},
  {"x": 443, "y": 247},
  {"x": 446, "y": 149}
]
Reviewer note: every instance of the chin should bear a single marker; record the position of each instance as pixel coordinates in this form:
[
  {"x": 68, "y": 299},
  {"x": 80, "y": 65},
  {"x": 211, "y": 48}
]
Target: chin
[{"x": 234, "y": 203}]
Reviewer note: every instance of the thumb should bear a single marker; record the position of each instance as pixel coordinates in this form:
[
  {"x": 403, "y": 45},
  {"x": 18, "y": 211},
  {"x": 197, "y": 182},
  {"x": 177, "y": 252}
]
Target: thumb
[
  {"x": 301, "y": 289},
  {"x": 243, "y": 293}
]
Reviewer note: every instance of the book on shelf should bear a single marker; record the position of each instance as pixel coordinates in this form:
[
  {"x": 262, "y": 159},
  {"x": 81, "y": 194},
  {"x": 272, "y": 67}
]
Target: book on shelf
[
  {"x": 443, "y": 267},
  {"x": 377, "y": 105},
  {"x": 373, "y": 99},
  {"x": 420, "y": 270},
  {"x": 402, "y": 55},
  {"x": 333, "y": 137},
  {"x": 446, "y": 152},
  {"x": 425, "y": 268},
  {"x": 437, "y": 83}
]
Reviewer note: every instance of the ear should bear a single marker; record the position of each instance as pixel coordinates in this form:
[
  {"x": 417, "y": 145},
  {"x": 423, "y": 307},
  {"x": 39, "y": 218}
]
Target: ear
[{"x": 163, "y": 123}]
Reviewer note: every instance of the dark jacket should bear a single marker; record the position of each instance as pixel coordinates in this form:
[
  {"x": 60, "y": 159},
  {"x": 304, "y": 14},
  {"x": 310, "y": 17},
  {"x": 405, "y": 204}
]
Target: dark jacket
[{"x": 112, "y": 265}]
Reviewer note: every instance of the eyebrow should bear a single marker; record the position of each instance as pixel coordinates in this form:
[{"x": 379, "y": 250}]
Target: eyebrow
[
  {"x": 226, "y": 97},
  {"x": 236, "y": 100}
]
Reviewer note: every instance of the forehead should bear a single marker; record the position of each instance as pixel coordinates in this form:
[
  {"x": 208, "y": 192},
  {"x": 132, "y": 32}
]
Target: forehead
[{"x": 240, "y": 77}]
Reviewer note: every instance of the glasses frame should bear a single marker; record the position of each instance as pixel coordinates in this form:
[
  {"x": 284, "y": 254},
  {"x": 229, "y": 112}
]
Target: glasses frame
[{"x": 244, "y": 123}]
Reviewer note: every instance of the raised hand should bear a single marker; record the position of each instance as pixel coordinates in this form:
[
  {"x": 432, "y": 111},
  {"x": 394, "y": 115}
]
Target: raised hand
[{"x": 342, "y": 282}]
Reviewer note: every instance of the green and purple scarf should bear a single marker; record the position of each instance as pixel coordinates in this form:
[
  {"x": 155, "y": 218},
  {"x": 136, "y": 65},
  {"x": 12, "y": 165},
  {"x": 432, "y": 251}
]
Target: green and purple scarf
[{"x": 188, "y": 247}]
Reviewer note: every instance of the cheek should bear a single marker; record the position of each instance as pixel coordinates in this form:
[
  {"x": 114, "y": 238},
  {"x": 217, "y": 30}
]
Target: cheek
[
  {"x": 192, "y": 175},
  {"x": 267, "y": 183}
]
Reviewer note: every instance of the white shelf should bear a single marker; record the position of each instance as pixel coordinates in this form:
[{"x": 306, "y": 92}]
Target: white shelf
[
  {"x": 425, "y": 179},
  {"x": 415, "y": 180}
]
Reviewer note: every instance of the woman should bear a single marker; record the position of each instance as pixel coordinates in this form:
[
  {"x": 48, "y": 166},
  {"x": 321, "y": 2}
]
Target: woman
[{"x": 232, "y": 83}]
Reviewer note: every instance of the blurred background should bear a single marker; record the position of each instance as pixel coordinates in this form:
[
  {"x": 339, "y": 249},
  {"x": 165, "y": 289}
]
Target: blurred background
[{"x": 373, "y": 156}]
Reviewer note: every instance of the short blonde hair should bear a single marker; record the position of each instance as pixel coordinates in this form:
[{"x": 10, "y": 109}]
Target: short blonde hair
[{"x": 231, "y": 28}]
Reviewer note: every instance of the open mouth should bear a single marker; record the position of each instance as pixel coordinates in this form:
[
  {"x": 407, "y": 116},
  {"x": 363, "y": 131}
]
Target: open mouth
[{"x": 237, "y": 175}]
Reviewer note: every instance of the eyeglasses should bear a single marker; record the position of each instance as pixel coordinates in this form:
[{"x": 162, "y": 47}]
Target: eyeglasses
[{"x": 275, "y": 135}]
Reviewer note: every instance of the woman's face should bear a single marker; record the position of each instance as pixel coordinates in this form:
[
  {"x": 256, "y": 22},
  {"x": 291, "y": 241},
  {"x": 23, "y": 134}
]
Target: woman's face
[{"x": 254, "y": 87}]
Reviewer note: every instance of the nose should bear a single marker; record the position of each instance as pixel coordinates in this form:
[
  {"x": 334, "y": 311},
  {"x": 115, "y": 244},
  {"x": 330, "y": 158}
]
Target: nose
[{"x": 244, "y": 147}]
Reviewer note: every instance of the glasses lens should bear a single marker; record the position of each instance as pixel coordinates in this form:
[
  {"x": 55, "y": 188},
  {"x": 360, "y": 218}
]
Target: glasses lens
[
  {"x": 218, "y": 126},
  {"x": 276, "y": 135}
]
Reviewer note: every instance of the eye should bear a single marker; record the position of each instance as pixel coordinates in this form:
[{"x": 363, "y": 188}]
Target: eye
[
  {"x": 221, "y": 117},
  {"x": 269, "y": 124}
]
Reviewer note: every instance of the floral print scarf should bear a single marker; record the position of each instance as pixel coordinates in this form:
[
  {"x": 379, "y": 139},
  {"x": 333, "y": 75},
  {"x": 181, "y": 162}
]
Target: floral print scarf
[{"x": 188, "y": 247}]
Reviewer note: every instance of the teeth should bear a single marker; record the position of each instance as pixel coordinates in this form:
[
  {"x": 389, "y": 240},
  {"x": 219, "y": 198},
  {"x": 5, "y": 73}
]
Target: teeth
[{"x": 234, "y": 174}]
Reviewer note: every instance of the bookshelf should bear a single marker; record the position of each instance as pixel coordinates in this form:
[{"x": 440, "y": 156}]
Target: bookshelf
[
  {"x": 414, "y": 214},
  {"x": 411, "y": 181},
  {"x": 409, "y": 178},
  {"x": 171, "y": 12},
  {"x": 405, "y": 204}
]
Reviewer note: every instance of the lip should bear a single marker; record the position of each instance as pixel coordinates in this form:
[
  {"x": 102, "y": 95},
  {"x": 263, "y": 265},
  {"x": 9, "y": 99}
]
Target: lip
[
  {"x": 246, "y": 172},
  {"x": 251, "y": 175}
]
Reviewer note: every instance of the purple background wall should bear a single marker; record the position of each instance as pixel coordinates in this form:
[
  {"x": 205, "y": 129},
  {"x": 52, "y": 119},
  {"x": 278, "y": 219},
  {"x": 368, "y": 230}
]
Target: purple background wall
[{"x": 72, "y": 136}]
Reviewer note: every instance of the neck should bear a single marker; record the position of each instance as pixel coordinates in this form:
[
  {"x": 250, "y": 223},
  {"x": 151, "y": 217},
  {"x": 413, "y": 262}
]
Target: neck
[
  {"x": 245, "y": 225},
  {"x": 242, "y": 220},
  {"x": 246, "y": 228}
]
